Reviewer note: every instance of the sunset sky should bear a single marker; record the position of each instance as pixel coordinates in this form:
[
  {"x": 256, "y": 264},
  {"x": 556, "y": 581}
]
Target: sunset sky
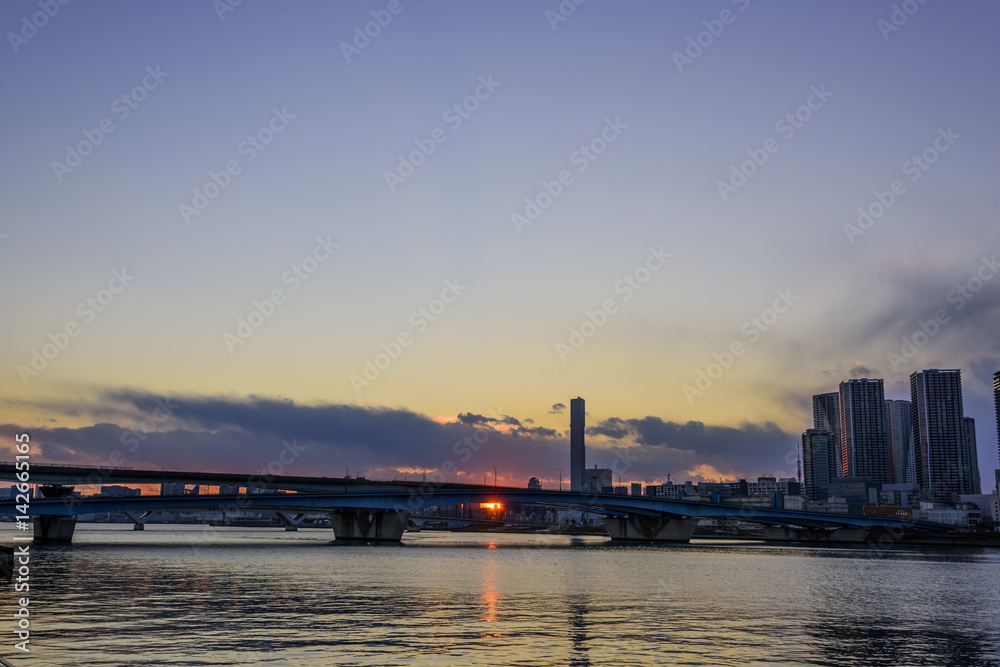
[{"x": 233, "y": 211}]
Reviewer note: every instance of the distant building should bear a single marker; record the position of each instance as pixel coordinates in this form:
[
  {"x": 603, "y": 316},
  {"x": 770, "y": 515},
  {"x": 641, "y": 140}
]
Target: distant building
[
  {"x": 962, "y": 515},
  {"x": 900, "y": 494},
  {"x": 535, "y": 484},
  {"x": 229, "y": 490},
  {"x": 826, "y": 417},
  {"x": 856, "y": 491},
  {"x": 996, "y": 410},
  {"x": 892, "y": 511},
  {"x": 939, "y": 434},
  {"x": 636, "y": 488},
  {"x": 988, "y": 504},
  {"x": 172, "y": 489},
  {"x": 864, "y": 433},
  {"x": 971, "y": 458},
  {"x": 621, "y": 490},
  {"x": 597, "y": 480},
  {"x": 904, "y": 466},
  {"x": 115, "y": 490},
  {"x": 577, "y": 452},
  {"x": 819, "y": 461}
]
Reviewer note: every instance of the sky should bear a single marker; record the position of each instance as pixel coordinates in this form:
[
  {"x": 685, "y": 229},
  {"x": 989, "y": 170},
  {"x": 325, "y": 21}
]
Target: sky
[{"x": 374, "y": 229}]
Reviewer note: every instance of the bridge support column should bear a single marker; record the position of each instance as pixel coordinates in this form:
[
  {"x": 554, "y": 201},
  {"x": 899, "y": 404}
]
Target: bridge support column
[
  {"x": 845, "y": 534},
  {"x": 639, "y": 528},
  {"x": 369, "y": 525},
  {"x": 138, "y": 522},
  {"x": 291, "y": 521},
  {"x": 54, "y": 529}
]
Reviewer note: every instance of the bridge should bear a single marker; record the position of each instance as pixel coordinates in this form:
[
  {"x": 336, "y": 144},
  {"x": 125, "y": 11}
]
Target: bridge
[{"x": 372, "y": 511}]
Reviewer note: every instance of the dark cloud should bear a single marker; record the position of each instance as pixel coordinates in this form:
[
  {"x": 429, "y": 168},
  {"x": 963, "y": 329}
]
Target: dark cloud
[
  {"x": 613, "y": 428},
  {"x": 229, "y": 434},
  {"x": 557, "y": 408}
]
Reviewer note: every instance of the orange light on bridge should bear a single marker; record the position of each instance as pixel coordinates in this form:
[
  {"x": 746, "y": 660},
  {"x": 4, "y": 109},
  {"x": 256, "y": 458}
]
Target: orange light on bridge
[{"x": 491, "y": 506}]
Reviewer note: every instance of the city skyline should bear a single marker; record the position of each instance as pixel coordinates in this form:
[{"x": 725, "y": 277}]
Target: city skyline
[{"x": 696, "y": 223}]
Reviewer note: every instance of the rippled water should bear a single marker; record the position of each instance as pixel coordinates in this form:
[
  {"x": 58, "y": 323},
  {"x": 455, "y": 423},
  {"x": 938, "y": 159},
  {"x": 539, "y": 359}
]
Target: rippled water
[{"x": 184, "y": 596}]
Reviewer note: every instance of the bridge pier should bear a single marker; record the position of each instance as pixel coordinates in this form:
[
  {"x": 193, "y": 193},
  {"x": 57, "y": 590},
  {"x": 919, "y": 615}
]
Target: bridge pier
[
  {"x": 54, "y": 529},
  {"x": 640, "y": 528},
  {"x": 291, "y": 521},
  {"x": 843, "y": 535},
  {"x": 138, "y": 522},
  {"x": 369, "y": 525}
]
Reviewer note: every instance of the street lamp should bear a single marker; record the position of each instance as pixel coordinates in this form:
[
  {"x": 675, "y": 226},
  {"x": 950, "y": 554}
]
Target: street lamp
[
  {"x": 560, "y": 478},
  {"x": 494, "y": 477}
]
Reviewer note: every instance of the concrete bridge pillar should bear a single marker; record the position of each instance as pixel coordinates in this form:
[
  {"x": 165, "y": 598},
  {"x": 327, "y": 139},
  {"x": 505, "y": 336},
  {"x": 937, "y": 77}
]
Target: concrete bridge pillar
[
  {"x": 291, "y": 521},
  {"x": 54, "y": 529},
  {"x": 639, "y": 528},
  {"x": 138, "y": 520},
  {"x": 369, "y": 525}
]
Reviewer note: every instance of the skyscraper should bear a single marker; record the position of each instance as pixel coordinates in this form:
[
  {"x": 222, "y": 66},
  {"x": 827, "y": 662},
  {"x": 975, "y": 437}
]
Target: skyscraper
[
  {"x": 970, "y": 459},
  {"x": 897, "y": 417},
  {"x": 939, "y": 434},
  {"x": 577, "y": 454},
  {"x": 826, "y": 416},
  {"x": 819, "y": 461},
  {"x": 864, "y": 434},
  {"x": 996, "y": 408}
]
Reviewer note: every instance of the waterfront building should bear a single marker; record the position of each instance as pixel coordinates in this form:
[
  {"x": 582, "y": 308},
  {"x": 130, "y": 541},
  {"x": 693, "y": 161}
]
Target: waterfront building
[
  {"x": 904, "y": 467},
  {"x": 819, "y": 461},
  {"x": 826, "y": 417},
  {"x": 864, "y": 434},
  {"x": 939, "y": 434},
  {"x": 970, "y": 458}
]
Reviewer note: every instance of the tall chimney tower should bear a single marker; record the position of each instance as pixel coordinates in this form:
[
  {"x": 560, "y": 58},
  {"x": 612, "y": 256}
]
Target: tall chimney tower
[{"x": 577, "y": 452}]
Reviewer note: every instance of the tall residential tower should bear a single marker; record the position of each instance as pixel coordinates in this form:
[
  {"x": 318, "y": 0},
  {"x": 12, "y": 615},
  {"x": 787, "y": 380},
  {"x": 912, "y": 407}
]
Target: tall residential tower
[
  {"x": 826, "y": 416},
  {"x": 939, "y": 434},
  {"x": 864, "y": 433},
  {"x": 904, "y": 466}
]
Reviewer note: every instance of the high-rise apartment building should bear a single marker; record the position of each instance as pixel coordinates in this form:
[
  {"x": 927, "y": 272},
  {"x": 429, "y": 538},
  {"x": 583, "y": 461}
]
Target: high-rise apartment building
[
  {"x": 996, "y": 408},
  {"x": 826, "y": 416},
  {"x": 970, "y": 459},
  {"x": 577, "y": 454},
  {"x": 904, "y": 466},
  {"x": 939, "y": 434},
  {"x": 864, "y": 434},
  {"x": 819, "y": 461}
]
